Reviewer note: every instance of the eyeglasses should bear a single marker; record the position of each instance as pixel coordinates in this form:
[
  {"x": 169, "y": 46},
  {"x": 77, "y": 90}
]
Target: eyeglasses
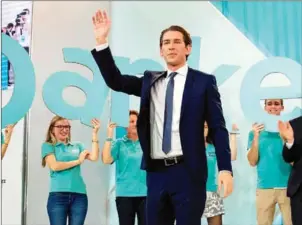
[
  {"x": 61, "y": 127},
  {"x": 273, "y": 103}
]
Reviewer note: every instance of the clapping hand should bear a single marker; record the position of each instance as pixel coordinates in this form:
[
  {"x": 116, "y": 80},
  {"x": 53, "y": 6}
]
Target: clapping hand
[{"x": 286, "y": 131}]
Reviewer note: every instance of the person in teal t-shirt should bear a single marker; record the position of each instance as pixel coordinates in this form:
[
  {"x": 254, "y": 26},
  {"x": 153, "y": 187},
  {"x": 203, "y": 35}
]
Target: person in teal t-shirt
[
  {"x": 265, "y": 152},
  {"x": 67, "y": 198},
  {"x": 131, "y": 187},
  {"x": 214, "y": 208}
]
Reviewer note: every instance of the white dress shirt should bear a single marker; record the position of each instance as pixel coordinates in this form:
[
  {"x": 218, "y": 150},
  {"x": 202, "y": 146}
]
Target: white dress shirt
[
  {"x": 157, "y": 112},
  {"x": 289, "y": 145},
  {"x": 157, "y": 109}
]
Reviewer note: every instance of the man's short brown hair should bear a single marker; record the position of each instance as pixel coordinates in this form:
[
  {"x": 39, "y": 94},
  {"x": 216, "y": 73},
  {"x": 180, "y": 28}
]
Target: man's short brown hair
[
  {"x": 186, "y": 35},
  {"x": 133, "y": 112}
]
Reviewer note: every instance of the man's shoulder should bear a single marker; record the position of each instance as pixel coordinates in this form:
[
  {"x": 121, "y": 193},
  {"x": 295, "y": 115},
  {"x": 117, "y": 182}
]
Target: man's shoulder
[
  {"x": 297, "y": 127},
  {"x": 297, "y": 124},
  {"x": 297, "y": 121},
  {"x": 201, "y": 73}
]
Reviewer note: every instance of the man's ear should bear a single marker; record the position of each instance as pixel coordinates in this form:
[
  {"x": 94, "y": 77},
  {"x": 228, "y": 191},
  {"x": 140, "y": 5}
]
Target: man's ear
[{"x": 189, "y": 49}]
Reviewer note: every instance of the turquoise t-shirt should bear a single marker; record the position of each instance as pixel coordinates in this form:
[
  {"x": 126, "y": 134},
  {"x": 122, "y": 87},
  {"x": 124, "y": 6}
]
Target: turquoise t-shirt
[
  {"x": 212, "y": 168},
  {"x": 69, "y": 180},
  {"x": 272, "y": 170},
  {"x": 130, "y": 179}
]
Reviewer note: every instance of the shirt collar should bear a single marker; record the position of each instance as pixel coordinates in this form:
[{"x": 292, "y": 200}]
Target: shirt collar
[
  {"x": 125, "y": 139},
  {"x": 61, "y": 143},
  {"x": 182, "y": 70}
]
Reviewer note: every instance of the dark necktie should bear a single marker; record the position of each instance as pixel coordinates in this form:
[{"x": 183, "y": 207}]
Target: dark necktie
[{"x": 168, "y": 115}]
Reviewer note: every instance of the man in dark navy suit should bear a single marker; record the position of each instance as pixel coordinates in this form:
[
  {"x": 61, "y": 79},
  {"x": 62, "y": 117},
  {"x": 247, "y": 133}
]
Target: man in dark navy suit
[
  {"x": 291, "y": 132},
  {"x": 174, "y": 106}
]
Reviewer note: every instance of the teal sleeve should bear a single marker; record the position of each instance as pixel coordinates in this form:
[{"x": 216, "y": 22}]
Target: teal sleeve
[
  {"x": 47, "y": 149},
  {"x": 115, "y": 150},
  {"x": 250, "y": 140},
  {"x": 81, "y": 147}
]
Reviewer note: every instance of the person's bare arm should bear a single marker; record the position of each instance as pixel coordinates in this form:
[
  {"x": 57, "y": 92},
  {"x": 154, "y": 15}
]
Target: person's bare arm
[
  {"x": 55, "y": 165},
  {"x": 94, "y": 155},
  {"x": 253, "y": 152},
  {"x": 106, "y": 152},
  {"x": 4, "y": 149},
  {"x": 233, "y": 142},
  {"x": 8, "y": 134},
  {"x": 233, "y": 146}
]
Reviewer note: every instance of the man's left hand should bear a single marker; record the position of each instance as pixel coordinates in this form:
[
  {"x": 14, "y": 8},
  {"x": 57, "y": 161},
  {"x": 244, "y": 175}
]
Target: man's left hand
[
  {"x": 225, "y": 179},
  {"x": 286, "y": 131}
]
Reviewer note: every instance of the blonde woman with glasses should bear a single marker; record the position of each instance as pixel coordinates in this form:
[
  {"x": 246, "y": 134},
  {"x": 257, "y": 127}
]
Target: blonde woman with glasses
[{"x": 67, "y": 198}]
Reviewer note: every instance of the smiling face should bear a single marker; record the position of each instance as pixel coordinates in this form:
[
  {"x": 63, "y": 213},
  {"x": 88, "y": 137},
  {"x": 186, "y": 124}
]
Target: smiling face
[
  {"x": 274, "y": 106},
  {"x": 61, "y": 130}
]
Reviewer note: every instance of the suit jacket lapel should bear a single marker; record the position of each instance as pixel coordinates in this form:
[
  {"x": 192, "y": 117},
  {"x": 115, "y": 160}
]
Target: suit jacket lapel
[
  {"x": 188, "y": 89},
  {"x": 156, "y": 76}
]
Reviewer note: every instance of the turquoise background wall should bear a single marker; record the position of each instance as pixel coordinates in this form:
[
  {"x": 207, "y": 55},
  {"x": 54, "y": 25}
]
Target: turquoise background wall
[{"x": 275, "y": 27}]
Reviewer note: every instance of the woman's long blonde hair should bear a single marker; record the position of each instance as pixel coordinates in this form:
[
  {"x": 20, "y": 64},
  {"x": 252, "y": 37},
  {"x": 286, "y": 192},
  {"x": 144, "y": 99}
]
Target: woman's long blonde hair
[{"x": 50, "y": 138}]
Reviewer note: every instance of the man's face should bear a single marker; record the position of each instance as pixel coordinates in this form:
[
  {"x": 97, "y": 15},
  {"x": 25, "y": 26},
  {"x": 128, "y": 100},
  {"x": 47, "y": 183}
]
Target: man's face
[
  {"x": 173, "y": 49},
  {"x": 274, "y": 106}
]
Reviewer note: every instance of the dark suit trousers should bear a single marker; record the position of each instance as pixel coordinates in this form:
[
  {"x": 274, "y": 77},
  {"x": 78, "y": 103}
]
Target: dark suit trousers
[
  {"x": 172, "y": 194},
  {"x": 296, "y": 207}
]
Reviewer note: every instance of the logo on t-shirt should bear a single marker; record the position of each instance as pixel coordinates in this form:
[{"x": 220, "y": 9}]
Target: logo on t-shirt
[
  {"x": 75, "y": 151},
  {"x": 211, "y": 154}
]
